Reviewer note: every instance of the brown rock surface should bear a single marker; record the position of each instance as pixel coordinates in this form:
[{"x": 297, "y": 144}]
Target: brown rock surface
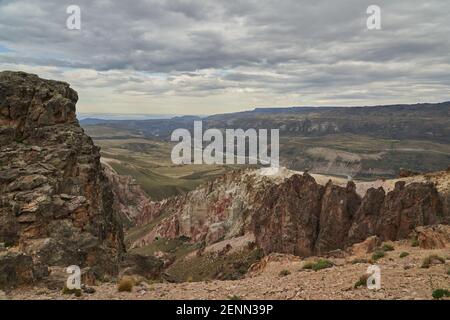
[
  {"x": 365, "y": 247},
  {"x": 130, "y": 199},
  {"x": 401, "y": 279},
  {"x": 55, "y": 202},
  {"x": 288, "y": 217},
  {"x": 433, "y": 237},
  {"x": 296, "y": 215}
]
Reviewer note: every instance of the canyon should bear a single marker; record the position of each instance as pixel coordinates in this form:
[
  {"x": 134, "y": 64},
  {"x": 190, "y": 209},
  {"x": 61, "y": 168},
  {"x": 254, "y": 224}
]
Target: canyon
[{"x": 62, "y": 204}]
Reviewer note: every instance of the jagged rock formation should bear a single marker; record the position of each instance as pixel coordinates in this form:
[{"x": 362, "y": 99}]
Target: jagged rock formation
[
  {"x": 55, "y": 202},
  {"x": 218, "y": 210},
  {"x": 296, "y": 215},
  {"x": 129, "y": 198}
]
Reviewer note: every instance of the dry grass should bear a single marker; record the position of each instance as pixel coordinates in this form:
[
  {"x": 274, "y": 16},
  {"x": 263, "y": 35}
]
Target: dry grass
[
  {"x": 432, "y": 259},
  {"x": 126, "y": 284}
]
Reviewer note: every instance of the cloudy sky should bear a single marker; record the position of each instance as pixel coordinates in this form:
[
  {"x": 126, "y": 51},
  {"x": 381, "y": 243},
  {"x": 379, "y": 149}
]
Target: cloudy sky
[{"x": 204, "y": 57}]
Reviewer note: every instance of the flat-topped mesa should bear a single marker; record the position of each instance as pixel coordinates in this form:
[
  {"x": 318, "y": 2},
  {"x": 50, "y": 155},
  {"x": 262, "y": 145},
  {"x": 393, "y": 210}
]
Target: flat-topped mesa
[{"x": 56, "y": 205}]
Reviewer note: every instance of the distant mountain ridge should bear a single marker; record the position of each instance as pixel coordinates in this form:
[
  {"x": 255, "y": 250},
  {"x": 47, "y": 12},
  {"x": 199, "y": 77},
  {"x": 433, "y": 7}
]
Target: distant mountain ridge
[
  {"x": 329, "y": 108},
  {"x": 429, "y": 121},
  {"x": 363, "y": 142}
]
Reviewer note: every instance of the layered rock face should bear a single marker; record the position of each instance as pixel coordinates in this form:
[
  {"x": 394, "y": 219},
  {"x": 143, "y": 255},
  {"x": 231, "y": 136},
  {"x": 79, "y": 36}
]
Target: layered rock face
[
  {"x": 216, "y": 211},
  {"x": 130, "y": 199},
  {"x": 334, "y": 217},
  {"x": 296, "y": 215},
  {"x": 55, "y": 202}
]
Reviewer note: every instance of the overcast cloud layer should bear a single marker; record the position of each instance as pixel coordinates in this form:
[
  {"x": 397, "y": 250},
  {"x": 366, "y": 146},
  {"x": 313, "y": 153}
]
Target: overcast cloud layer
[{"x": 203, "y": 57}]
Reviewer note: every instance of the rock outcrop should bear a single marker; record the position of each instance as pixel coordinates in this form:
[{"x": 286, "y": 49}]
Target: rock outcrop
[
  {"x": 295, "y": 215},
  {"x": 56, "y": 206},
  {"x": 433, "y": 237},
  {"x": 130, "y": 199}
]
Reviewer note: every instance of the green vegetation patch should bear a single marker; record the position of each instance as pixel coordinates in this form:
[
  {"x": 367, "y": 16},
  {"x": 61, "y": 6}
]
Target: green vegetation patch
[
  {"x": 440, "y": 293},
  {"x": 378, "y": 254},
  {"x": 319, "y": 265}
]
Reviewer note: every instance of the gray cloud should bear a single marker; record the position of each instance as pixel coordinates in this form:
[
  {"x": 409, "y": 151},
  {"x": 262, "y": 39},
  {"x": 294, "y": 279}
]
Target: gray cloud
[{"x": 313, "y": 51}]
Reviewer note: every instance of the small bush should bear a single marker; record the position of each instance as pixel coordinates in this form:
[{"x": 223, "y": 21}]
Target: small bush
[
  {"x": 284, "y": 273},
  {"x": 388, "y": 247},
  {"x": 440, "y": 293},
  {"x": 378, "y": 254},
  {"x": 190, "y": 279},
  {"x": 448, "y": 271},
  {"x": 234, "y": 297},
  {"x": 319, "y": 265},
  {"x": 125, "y": 284},
  {"x": 322, "y": 264},
  {"x": 404, "y": 254},
  {"x": 76, "y": 292},
  {"x": 362, "y": 281},
  {"x": 428, "y": 261}
]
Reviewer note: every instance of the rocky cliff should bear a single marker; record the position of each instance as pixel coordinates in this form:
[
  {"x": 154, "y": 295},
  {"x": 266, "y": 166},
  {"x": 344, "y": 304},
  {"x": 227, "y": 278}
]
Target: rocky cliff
[
  {"x": 130, "y": 200},
  {"x": 56, "y": 207},
  {"x": 297, "y": 213}
]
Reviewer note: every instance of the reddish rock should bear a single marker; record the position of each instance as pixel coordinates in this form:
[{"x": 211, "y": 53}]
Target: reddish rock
[
  {"x": 365, "y": 247},
  {"x": 339, "y": 206},
  {"x": 407, "y": 207},
  {"x": 55, "y": 201},
  {"x": 433, "y": 237},
  {"x": 367, "y": 215},
  {"x": 287, "y": 219}
]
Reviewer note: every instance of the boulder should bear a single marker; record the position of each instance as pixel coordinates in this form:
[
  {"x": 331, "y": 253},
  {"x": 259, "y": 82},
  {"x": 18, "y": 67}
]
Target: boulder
[
  {"x": 365, "y": 247},
  {"x": 15, "y": 269},
  {"x": 433, "y": 237}
]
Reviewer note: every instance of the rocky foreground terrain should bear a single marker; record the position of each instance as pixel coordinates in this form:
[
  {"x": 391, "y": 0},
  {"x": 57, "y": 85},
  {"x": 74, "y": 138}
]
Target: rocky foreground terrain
[
  {"x": 280, "y": 276},
  {"x": 248, "y": 234}
]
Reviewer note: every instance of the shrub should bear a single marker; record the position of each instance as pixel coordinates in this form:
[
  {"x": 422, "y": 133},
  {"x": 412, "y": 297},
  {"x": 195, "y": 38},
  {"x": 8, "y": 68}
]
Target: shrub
[
  {"x": 415, "y": 242},
  {"x": 234, "y": 297},
  {"x": 362, "y": 281},
  {"x": 404, "y": 254},
  {"x": 440, "y": 293},
  {"x": 319, "y": 265},
  {"x": 428, "y": 261},
  {"x": 378, "y": 254},
  {"x": 284, "y": 273},
  {"x": 388, "y": 247},
  {"x": 448, "y": 271},
  {"x": 76, "y": 292},
  {"x": 190, "y": 279},
  {"x": 125, "y": 284},
  {"x": 322, "y": 264}
]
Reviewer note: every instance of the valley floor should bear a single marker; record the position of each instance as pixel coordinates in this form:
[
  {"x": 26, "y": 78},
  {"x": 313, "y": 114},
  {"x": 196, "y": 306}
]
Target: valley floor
[{"x": 401, "y": 278}]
